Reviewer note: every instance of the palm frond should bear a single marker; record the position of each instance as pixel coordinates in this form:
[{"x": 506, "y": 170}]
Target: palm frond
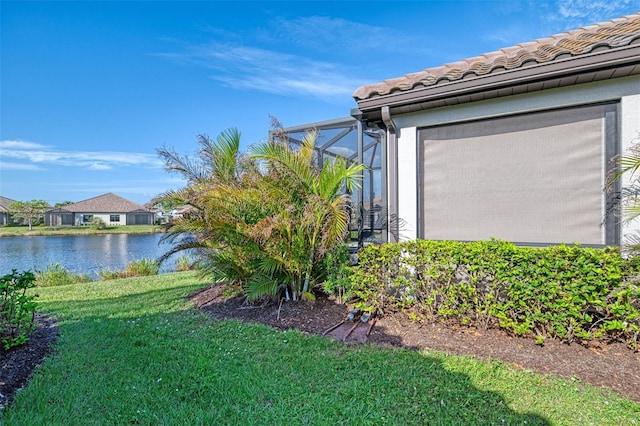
[
  {"x": 190, "y": 169},
  {"x": 308, "y": 146},
  {"x": 281, "y": 155},
  {"x": 335, "y": 176},
  {"x": 259, "y": 286},
  {"x": 269, "y": 266},
  {"x": 177, "y": 196},
  {"x": 222, "y": 155}
]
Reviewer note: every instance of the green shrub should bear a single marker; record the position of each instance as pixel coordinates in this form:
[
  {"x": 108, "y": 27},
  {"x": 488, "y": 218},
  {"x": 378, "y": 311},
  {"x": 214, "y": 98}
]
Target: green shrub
[
  {"x": 565, "y": 292},
  {"x": 97, "y": 223},
  {"x": 142, "y": 268},
  {"x": 17, "y": 309},
  {"x": 106, "y": 275},
  {"x": 137, "y": 268},
  {"x": 185, "y": 263},
  {"x": 56, "y": 275},
  {"x": 338, "y": 267}
]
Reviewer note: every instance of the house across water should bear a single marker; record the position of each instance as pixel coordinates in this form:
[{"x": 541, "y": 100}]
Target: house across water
[
  {"x": 111, "y": 208},
  {"x": 5, "y": 216}
]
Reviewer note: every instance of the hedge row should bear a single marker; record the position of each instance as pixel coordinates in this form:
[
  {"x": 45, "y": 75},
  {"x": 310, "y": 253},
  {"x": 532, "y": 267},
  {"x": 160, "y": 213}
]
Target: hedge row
[{"x": 565, "y": 292}]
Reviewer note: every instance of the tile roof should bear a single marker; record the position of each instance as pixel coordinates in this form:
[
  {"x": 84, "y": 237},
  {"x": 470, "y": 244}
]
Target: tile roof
[
  {"x": 107, "y": 203},
  {"x": 609, "y": 35},
  {"x": 4, "y": 203}
]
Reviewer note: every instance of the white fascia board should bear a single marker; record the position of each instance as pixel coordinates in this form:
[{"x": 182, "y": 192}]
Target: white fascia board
[{"x": 580, "y": 94}]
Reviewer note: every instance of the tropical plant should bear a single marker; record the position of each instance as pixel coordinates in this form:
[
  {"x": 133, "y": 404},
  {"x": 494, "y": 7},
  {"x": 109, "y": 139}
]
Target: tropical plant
[
  {"x": 265, "y": 219},
  {"x": 208, "y": 230},
  {"x": 315, "y": 219}
]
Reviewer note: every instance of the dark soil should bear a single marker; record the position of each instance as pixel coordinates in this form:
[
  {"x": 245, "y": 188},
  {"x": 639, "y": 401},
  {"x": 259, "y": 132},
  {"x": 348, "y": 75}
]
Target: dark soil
[
  {"x": 18, "y": 363},
  {"x": 612, "y": 365},
  {"x": 606, "y": 365}
]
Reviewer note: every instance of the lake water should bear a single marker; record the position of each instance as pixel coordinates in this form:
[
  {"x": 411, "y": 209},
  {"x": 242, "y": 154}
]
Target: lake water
[{"x": 85, "y": 254}]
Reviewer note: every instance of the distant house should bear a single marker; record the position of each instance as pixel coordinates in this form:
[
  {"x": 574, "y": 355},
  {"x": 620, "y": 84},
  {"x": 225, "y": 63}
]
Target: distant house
[
  {"x": 111, "y": 208},
  {"x": 182, "y": 211},
  {"x": 5, "y": 217}
]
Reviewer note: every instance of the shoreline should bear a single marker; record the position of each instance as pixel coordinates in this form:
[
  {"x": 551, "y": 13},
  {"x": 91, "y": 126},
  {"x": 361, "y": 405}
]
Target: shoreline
[{"x": 49, "y": 231}]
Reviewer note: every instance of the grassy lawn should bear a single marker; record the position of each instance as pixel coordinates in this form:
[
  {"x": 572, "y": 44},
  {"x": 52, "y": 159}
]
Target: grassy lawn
[
  {"x": 10, "y": 231},
  {"x": 134, "y": 351}
]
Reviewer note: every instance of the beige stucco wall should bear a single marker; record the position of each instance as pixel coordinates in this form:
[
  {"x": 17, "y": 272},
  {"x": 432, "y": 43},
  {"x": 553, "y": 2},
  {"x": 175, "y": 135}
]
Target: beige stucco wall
[{"x": 106, "y": 218}]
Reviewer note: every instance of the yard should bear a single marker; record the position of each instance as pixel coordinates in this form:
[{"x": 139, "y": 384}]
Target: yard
[{"x": 137, "y": 351}]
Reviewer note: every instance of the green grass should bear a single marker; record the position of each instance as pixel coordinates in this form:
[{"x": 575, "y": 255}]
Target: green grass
[
  {"x": 134, "y": 351},
  {"x": 11, "y": 231}
]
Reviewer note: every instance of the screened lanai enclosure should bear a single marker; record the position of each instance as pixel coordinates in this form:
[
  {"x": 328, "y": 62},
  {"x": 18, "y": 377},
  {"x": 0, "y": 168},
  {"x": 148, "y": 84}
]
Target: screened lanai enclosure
[{"x": 349, "y": 138}]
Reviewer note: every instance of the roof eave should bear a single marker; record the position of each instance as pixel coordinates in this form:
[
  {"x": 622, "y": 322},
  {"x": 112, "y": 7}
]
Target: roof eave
[{"x": 559, "y": 68}]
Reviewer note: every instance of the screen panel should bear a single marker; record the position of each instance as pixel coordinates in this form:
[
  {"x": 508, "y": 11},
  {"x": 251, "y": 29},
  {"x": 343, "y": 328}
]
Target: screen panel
[{"x": 534, "y": 178}]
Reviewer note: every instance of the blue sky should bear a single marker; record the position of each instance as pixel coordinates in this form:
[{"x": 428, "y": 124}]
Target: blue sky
[{"x": 89, "y": 90}]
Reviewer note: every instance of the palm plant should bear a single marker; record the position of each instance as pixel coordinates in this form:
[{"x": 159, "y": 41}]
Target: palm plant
[
  {"x": 205, "y": 229},
  {"x": 264, "y": 220},
  {"x": 316, "y": 218}
]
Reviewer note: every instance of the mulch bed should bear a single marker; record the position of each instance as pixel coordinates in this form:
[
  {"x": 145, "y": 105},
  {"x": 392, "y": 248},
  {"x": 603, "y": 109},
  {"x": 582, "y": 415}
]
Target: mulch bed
[
  {"x": 18, "y": 363},
  {"x": 611, "y": 366}
]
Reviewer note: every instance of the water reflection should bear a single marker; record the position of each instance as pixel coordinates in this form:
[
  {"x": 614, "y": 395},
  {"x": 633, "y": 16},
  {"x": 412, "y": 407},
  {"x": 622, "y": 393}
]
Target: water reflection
[{"x": 86, "y": 254}]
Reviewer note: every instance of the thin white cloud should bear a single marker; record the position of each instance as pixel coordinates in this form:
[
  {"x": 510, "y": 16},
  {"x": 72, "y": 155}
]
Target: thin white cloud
[
  {"x": 337, "y": 34},
  {"x": 135, "y": 185},
  {"x": 585, "y": 12},
  {"x": 142, "y": 188},
  {"x": 243, "y": 67},
  {"x": 508, "y": 35},
  {"x": 593, "y": 8},
  {"x": 41, "y": 155},
  {"x": 20, "y": 145},
  {"x": 100, "y": 166},
  {"x": 542, "y": 19},
  {"x": 5, "y": 165},
  {"x": 238, "y": 60}
]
